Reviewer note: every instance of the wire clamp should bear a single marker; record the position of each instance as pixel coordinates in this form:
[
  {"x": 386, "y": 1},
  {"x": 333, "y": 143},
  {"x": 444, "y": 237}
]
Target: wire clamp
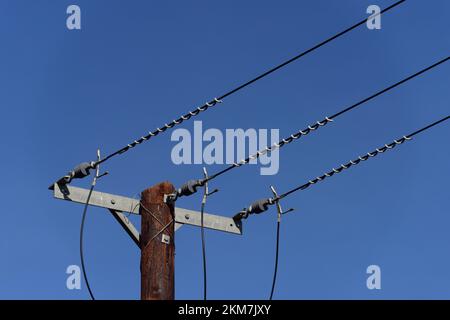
[
  {"x": 276, "y": 200},
  {"x": 98, "y": 175},
  {"x": 205, "y": 185}
]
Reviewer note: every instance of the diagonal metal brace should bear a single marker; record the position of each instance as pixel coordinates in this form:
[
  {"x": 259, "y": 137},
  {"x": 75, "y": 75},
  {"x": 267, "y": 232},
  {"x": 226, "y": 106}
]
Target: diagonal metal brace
[{"x": 127, "y": 226}]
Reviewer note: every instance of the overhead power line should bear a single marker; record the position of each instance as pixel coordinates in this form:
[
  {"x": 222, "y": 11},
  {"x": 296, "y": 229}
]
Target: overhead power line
[
  {"x": 263, "y": 205},
  {"x": 83, "y": 169},
  {"x": 191, "y": 186}
]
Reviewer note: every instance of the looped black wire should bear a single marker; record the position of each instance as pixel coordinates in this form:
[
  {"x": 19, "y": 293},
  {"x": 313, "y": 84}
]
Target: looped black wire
[
  {"x": 83, "y": 219},
  {"x": 206, "y": 194}
]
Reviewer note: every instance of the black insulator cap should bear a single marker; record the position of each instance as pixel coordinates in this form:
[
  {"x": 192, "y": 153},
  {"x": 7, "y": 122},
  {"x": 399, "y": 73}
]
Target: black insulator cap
[
  {"x": 82, "y": 170},
  {"x": 189, "y": 187},
  {"x": 259, "y": 206}
]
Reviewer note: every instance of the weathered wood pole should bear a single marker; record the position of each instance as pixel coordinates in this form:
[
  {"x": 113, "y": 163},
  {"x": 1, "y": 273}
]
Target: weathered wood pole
[{"x": 157, "y": 247}]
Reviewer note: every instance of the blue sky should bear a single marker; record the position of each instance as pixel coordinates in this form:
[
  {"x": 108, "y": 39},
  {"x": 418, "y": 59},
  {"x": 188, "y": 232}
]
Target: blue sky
[{"x": 136, "y": 66}]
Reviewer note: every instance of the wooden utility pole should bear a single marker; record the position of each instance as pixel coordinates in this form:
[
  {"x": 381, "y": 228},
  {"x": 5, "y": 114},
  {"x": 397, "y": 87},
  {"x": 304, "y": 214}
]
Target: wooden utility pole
[{"x": 157, "y": 246}]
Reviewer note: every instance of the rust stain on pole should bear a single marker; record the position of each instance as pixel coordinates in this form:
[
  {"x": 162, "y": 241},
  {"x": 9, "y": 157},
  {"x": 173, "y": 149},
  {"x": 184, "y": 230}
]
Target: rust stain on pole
[{"x": 157, "y": 256}]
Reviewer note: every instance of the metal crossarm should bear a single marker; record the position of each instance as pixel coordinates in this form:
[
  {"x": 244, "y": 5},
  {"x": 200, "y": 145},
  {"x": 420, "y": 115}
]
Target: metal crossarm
[{"x": 118, "y": 204}]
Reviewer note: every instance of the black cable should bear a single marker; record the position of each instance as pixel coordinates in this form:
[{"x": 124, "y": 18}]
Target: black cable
[
  {"x": 242, "y": 86},
  {"x": 363, "y": 158},
  {"x": 319, "y": 124},
  {"x": 276, "y": 257},
  {"x": 83, "y": 219},
  {"x": 306, "y": 52},
  {"x": 206, "y": 194},
  {"x": 202, "y": 212},
  {"x": 83, "y": 268},
  {"x": 389, "y": 88},
  {"x": 263, "y": 204},
  {"x": 213, "y": 102}
]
